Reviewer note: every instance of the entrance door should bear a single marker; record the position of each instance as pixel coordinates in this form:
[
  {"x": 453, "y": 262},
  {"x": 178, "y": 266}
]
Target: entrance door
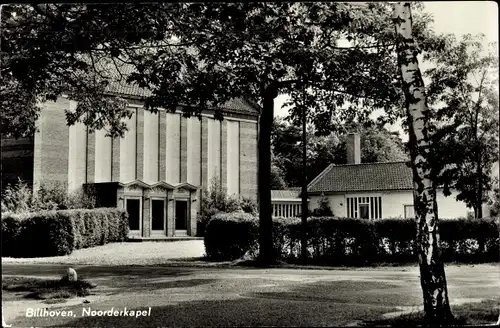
[
  {"x": 181, "y": 216},
  {"x": 134, "y": 216},
  {"x": 363, "y": 211},
  {"x": 158, "y": 216}
]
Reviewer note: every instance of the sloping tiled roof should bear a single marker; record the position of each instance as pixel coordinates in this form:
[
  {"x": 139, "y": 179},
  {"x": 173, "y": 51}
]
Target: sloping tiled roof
[
  {"x": 363, "y": 177},
  {"x": 285, "y": 194},
  {"x": 119, "y": 87}
]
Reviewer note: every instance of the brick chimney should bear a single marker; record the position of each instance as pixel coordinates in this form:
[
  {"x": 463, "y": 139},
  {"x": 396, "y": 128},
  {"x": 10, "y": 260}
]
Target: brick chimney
[{"x": 353, "y": 148}]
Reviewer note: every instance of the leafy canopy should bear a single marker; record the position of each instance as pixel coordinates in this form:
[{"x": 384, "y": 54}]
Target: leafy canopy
[
  {"x": 377, "y": 145},
  {"x": 463, "y": 93},
  {"x": 199, "y": 55}
]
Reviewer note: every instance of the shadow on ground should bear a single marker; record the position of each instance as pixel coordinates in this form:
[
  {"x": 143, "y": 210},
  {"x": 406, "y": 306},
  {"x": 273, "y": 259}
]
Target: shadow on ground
[
  {"x": 95, "y": 271},
  {"x": 139, "y": 284},
  {"x": 122, "y": 281},
  {"x": 485, "y": 312},
  {"x": 367, "y": 293},
  {"x": 238, "y": 312},
  {"x": 314, "y": 304},
  {"x": 186, "y": 297}
]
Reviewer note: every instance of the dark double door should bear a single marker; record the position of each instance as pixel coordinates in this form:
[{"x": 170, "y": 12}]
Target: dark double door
[
  {"x": 133, "y": 206},
  {"x": 158, "y": 216},
  {"x": 181, "y": 214}
]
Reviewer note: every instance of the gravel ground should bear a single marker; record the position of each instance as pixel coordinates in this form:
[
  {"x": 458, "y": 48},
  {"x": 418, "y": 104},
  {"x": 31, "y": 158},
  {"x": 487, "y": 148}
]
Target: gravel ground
[
  {"x": 201, "y": 297},
  {"x": 134, "y": 253}
]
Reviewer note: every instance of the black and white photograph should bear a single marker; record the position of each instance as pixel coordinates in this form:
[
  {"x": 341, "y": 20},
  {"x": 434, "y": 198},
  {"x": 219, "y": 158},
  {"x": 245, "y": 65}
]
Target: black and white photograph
[{"x": 250, "y": 164}]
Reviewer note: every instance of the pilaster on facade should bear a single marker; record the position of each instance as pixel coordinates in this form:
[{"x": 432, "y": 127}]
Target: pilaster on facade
[
  {"x": 170, "y": 213},
  {"x": 193, "y": 212},
  {"x": 90, "y": 156},
  {"x": 223, "y": 153},
  {"x": 162, "y": 146},
  {"x": 204, "y": 153},
  {"x": 139, "y": 174},
  {"x": 146, "y": 213},
  {"x": 115, "y": 159},
  {"x": 183, "y": 149}
]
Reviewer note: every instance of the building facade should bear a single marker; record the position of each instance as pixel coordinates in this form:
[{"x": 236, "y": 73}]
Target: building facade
[
  {"x": 374, "y": 190},
  {"x": 286, "y": 203},
  {"x": 365, "y": 190},
  {"x": 379, "y": 204},
  {"x": 157, "y": 171}
]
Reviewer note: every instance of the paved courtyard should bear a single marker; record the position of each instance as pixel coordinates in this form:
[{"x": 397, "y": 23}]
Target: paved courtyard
[{"x": 190, "y": 296}]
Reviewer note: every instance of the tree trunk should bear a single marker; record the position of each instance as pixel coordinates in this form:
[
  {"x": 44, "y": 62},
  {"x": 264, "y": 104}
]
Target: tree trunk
[
  {"x": 266, "y": 253},
  {"x": 305, "y": 208},
  {"x": 432, "y": 275},
  {"x": 479, "y": 202},
  {"x": 478, "y": 210}
]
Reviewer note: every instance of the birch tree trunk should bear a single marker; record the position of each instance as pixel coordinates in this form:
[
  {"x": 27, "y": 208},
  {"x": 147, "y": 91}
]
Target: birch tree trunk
[{"x": 432, "y": 275}]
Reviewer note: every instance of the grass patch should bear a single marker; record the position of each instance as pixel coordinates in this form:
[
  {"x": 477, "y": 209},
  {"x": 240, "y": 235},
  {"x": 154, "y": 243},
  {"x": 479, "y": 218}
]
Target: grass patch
[
  {"x": 478, "y": 313},
  {"x": 51, "y": 290}
]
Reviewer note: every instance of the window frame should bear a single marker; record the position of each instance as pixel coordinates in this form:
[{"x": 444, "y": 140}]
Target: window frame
[
  {"x": 404, "y": 211},
  {"x": 374, "y": 203}
]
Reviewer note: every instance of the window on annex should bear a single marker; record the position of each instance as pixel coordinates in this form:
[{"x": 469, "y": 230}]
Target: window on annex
[
  {"x": 364, "y": 207},
  {"x": 409, "y": 212}
]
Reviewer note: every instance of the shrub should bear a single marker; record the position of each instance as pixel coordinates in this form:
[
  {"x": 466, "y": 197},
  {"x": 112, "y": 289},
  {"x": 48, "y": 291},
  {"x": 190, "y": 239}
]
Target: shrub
[
  {"x": 54, "y": 196},
  {"x": 19, "y": 198},
  {"x": 396, "y": 239},
  {"x": 248, "y": 205},
  {"x": 205, "y": 216},
  {"x": 230, "y": 235},
  {"x": 215, "y": 200},
  {"x": 286, "y": 235},
  {"x": 54, "y": 233},
  {"x": 341, "y": 240},
  {"x": 11, "y": 227},
  {"x": 45, "y": 233},
  {"x": 347, "y": 241},
  {"x": 98, "y": 226},
  {"x": 51, "y": 196},
  {"x": 470, "y": 240},
  {"x": 81, "y": 199},
  {"x": 494, "y": 200},
  {"x": 323, "y": 208}
]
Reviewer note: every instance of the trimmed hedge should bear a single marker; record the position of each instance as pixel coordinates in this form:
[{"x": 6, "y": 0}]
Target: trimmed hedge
[
  {"x": 229, "y": 236},
  {"x": 55, "y": 233},
  {"x": 347, "y": 241}
]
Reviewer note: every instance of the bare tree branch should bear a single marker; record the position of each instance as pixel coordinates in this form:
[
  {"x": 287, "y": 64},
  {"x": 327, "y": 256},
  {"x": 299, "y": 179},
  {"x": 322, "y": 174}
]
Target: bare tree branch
[{"x": 117, "y": 68}]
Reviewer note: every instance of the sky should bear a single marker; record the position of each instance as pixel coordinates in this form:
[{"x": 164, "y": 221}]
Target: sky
[{"x": 454, "y": 17}]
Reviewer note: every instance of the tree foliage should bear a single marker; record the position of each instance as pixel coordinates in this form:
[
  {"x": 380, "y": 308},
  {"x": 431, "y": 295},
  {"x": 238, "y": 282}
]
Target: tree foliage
[
  {"x": 463, "y": 92},
  {"x": 277, "y": 181},
  {"x": 183, "y": 51},
  {"x": 494, "y": 201},
  {"x": 49, "y": 50},
  {"x": 201, "y": 55},
  {"x": 377, "y": 145},
  {"x": 263, "y": 49}
]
